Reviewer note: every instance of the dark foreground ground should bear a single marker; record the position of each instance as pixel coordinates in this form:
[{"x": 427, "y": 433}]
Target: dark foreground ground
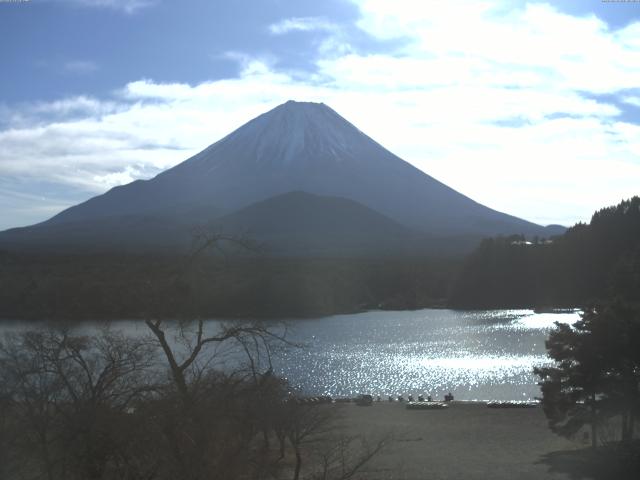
[{"x": 471, "y": 441}]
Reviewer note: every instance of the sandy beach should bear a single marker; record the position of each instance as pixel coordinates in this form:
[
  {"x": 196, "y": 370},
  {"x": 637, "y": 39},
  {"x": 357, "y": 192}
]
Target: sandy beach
[{"x": 464, "y": 441}]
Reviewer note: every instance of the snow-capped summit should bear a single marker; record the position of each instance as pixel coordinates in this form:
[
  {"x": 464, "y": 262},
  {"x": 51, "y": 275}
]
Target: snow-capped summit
[{"x": 294, "y": 134}]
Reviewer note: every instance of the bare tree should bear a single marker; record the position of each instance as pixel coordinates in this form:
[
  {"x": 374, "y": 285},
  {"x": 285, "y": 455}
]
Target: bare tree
[
  {"x": 344, "y": 457},
  {"x": 82, "y": 407},
  {"x": 240, "y": 333},
  {"x": 220, "y": 409},
  {"x": 66, "y": 391},
  {"x": 206, "y": 445},
  {"x": 314, "y": 432}
]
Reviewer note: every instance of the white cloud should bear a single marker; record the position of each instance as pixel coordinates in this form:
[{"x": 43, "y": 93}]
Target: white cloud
[
  {"x": 575, "y": 52},
  {"x": 491, "y": 102},
  {"x": 635, "y": 101},
  {"x": 301, "y": 24}
]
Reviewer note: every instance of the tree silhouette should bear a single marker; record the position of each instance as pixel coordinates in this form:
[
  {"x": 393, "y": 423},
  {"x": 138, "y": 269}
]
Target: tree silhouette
[{"x": 597, "y": 371}]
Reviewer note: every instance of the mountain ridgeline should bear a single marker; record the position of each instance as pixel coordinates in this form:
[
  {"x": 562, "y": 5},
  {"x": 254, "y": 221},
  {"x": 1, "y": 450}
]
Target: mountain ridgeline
[{"x": 299, "y": 178}]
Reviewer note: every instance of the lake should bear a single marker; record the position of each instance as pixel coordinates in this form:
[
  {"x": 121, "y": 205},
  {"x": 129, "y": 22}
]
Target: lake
[{"x": 476, "y": 355}]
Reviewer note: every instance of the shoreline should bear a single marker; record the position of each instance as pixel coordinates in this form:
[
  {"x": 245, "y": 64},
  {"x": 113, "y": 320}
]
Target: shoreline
[
  {"x": 293, "y": 317},
  {"x": 468, "y": 440},
  {"x": 348, "y": 400}
]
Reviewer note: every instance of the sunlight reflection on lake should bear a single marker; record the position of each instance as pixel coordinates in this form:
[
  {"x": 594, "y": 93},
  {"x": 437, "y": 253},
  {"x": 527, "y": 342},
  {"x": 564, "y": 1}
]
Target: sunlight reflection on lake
[
  {"x": 477, "y": 355},
  {"x": 474, "y": 354}
]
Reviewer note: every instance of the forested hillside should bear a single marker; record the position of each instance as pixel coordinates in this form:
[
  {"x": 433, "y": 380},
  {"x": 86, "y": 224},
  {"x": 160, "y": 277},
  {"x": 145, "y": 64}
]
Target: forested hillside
[
  {"x": 80, "y": 287},
  {"x": 590, "y": 261}
]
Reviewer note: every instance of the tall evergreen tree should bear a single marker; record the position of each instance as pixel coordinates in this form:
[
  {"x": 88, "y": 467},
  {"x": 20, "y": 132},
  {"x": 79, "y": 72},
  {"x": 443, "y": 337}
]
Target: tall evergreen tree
[{"x": 597, "y": 371}]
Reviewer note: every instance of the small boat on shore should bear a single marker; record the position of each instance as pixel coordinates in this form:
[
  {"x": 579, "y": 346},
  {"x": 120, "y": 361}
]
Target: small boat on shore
[
  {"x": 512, "y": 404},
  {"x": 427, "y": 405}
]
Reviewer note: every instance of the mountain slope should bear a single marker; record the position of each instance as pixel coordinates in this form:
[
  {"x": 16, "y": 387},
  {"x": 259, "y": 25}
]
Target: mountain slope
[
  {"x": 303, "y": 147},
  {"x": 119, "y": 233}
]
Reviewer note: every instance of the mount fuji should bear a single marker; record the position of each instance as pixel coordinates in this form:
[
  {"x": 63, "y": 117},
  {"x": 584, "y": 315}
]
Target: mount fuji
[{"x": 299, "y": 157}]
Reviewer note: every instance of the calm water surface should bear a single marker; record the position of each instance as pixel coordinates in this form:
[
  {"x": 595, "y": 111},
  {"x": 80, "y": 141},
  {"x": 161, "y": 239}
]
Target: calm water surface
[{"x": 479, "y": 355}]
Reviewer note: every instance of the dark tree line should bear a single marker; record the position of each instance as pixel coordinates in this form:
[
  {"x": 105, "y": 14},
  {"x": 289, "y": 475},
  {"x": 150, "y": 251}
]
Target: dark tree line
[
  {"x": 590, "y": 261},
  {"x": 81, "y": 287}
]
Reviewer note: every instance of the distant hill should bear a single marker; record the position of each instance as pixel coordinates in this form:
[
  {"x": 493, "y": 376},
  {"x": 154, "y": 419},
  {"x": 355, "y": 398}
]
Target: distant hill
[
  {"x": 299, "y": 223},
  {"x": 296, "y": 147}
]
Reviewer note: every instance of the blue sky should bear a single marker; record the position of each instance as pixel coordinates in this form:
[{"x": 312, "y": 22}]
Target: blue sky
[{"x": 532, "y": 108}]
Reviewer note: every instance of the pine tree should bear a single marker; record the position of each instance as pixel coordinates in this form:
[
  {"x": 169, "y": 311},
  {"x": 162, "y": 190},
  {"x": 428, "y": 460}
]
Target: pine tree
[{"x": 597, "y": 371}]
